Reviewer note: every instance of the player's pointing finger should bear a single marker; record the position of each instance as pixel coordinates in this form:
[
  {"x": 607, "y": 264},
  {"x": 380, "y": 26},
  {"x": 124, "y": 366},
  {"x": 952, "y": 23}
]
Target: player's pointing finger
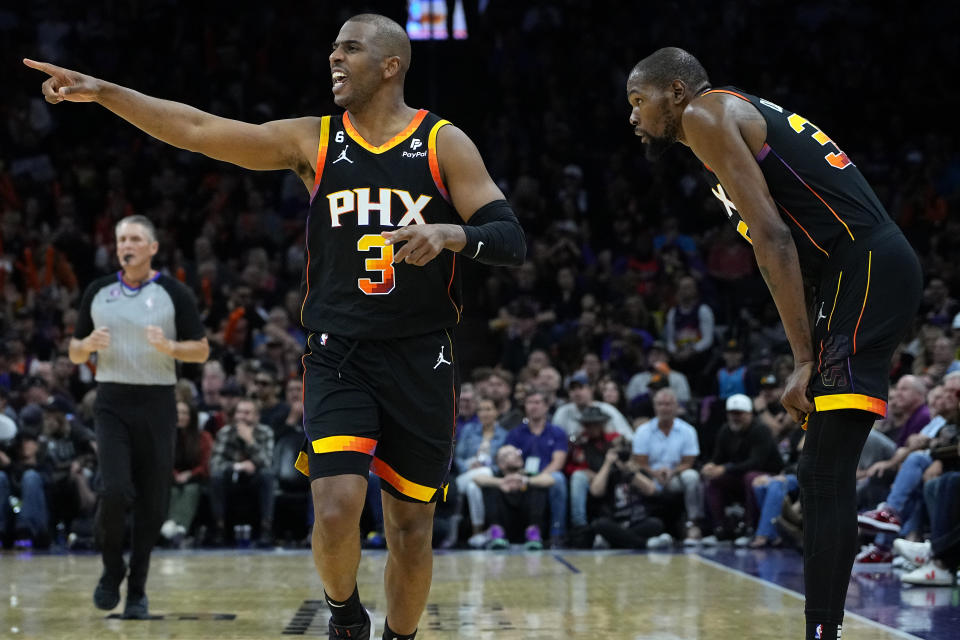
[{"x": 41, "y": 66}]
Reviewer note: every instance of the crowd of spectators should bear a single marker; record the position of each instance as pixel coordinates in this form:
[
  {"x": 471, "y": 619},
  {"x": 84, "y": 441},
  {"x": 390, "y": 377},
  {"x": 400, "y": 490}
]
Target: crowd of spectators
[{"x": 638, "y": 335}]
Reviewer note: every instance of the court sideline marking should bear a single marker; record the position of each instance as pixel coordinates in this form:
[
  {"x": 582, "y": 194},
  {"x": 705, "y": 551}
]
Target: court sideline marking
[
  {"x": 800, "y": 596},
  {"x": 565, "y": 563}
]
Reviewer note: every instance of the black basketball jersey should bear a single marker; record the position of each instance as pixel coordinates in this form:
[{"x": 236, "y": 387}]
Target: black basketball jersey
[
  {"x": 820, "y": 194},
  {"x": 352, "y": 287}
]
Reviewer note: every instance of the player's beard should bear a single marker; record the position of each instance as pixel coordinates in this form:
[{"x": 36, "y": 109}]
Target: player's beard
[{"x": 658, "y": 145}]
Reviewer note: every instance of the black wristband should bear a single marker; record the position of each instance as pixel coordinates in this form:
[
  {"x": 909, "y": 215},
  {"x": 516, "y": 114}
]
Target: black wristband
[{"x": 494, "y": 236}]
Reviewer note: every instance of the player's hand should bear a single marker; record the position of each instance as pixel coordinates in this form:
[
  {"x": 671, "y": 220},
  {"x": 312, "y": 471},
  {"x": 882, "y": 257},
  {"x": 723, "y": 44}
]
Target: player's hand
[
  {"x": 98, "y": 340},
  {"x": 794, "y": 398},
  {"x": 64, "y": 84},
  {"x": 423, "y": 242},
  {"x": 159, "y": 341}
]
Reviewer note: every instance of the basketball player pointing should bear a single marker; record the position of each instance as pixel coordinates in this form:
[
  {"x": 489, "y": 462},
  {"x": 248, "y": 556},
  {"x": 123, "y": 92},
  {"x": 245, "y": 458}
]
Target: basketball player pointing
[
  {"x": 811, "y": 217},
  {"x": 391, "y": 188}
]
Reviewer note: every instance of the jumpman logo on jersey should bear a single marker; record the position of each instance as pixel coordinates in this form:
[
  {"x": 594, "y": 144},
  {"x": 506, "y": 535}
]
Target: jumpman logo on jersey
[
  {"x": 343, "y": 156},
  {"x": 440, "y": 359},
  {"x": 819, "y": 315}
]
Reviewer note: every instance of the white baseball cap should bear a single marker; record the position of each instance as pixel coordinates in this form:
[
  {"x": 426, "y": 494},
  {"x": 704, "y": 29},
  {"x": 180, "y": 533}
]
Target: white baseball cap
[{"x": 739, "y": 402}]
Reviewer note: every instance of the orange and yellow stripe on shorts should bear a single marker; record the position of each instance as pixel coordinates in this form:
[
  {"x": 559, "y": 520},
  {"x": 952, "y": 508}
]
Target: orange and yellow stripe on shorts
[
  {"x": 851, "y": 401},
  {"x": 333, "y": 444},
  {"x": 408, "y": 488}
]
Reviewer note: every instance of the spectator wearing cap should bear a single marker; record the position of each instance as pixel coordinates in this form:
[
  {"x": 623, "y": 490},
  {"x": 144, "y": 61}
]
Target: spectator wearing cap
[
  {"x": 477, "y": 444},
  {"x": 665, "y": 448},
  {"x": 569, "y": 416},
  {"x": 544, "y": 449},
  {"x": 744, "y": 450},
  {"x": 658, "y": 375},
  {"x": 588, "y": 448},
  {"x": 768, "y": 409},
  {"x": 734, "y": 376}
]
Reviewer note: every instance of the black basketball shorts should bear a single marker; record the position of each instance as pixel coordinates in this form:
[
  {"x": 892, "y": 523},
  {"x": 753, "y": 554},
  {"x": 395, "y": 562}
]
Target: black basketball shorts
[
  {"x": 866, "y": 303},
  {"x": 386, "y": 406}
]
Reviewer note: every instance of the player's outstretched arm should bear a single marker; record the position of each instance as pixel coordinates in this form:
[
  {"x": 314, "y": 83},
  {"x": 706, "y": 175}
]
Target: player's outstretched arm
[
  {"x": 282, "y": 144},
  {"x": 714, "y": 135}
]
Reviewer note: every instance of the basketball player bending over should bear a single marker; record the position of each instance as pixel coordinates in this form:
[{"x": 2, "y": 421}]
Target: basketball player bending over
[{"x": 811, "y": 217}]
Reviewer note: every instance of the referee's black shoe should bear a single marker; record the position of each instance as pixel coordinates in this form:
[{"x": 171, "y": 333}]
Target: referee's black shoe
[
  {"x": 107, "y": 594},
  {"x": 137, "y": 607}
]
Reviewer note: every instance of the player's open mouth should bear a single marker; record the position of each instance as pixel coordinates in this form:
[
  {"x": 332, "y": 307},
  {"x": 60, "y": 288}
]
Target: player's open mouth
[{"x": 339, "y": 78}]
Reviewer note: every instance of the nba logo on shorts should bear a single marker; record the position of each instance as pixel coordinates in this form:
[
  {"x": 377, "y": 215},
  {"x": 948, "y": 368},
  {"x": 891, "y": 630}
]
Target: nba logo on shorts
[
  {"x": 323, "y": 339},
  {"x": 819, "y": 632}
]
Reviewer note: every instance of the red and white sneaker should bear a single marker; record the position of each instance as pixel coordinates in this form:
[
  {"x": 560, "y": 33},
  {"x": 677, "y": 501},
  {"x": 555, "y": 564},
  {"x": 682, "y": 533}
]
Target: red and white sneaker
[
  {"x": 916, "y": 552},
  {"x": 929, "y": 575},
  {"x": 881, "y": 520},
  {"x": 873, "y": 558}
]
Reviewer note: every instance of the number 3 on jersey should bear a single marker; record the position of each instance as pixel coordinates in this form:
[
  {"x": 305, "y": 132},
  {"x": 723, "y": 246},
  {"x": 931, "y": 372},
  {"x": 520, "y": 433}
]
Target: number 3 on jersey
[
  {"x": 383, "y": 264},
  {"x": 838, "y": 159}
]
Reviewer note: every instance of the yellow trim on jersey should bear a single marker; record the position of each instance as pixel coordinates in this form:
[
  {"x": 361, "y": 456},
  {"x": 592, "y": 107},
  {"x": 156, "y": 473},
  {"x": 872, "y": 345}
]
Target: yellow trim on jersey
[
  {"x": 321, "y": 151},
  {"x": 835, "y": 296},
  {"x": 389, "y": 144},
  {"x": 434, "y": 160}
]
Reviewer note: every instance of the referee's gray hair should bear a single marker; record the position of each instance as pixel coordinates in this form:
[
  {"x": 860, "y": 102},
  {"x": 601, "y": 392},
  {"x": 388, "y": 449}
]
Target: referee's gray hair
[{"x": 143, "y": 221}]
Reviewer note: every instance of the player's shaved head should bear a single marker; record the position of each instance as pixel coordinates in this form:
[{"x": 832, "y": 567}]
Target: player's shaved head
[
  {"x": 390, "y": 39},
  {"x": 663, "y": 66}
]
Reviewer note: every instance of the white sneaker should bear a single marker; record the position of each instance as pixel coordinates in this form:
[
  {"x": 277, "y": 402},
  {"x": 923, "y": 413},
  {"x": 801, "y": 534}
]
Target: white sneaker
[
  {"x": 929, "y": 575},
  {"x": 478, "y": 540},
  {"x": 916, "y": 552},
  {"x": 662, "y": 541},
  {"x": 710, "y": 541},
  {"x": 169, "y": 529},
  {"x": 599, "y": 542},
  {"x": 905, "y": 564},
  {"x": 742, "y": 541}
]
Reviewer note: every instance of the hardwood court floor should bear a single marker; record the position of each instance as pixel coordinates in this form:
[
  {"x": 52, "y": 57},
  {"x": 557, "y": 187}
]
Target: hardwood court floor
[{"x": 477, "y": 595}]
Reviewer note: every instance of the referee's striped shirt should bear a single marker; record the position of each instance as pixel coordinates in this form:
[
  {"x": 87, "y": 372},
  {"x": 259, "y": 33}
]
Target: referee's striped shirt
[{"x": 127, "y": 311}]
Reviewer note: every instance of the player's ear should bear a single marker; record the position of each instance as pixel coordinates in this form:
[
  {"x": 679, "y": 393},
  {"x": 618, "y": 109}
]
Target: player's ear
[
  {"x": 679, "y": 90},
  {"x": 391, "y": 67}
]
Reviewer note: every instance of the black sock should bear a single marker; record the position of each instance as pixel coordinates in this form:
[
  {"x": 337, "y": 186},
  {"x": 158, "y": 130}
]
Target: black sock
[
  {"x": 828, "y": 486},
  {"x": 346, "y": 613},
  {"x": 390, "y": 634},
  {"x": 822, "y": 631}
]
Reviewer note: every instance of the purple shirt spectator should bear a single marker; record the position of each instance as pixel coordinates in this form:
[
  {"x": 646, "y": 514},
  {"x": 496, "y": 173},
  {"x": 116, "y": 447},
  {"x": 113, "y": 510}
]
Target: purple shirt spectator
[
  {"x": 917, "y": 421},
  {"x": 542, "y": 446}
]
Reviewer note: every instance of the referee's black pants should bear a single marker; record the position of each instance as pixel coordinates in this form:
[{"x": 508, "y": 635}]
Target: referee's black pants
[{"x": 136, "y": 431}]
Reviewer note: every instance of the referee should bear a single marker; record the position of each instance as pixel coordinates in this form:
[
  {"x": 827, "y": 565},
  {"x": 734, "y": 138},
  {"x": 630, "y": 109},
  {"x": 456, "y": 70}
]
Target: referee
[{"x": 139, "y": 322}]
